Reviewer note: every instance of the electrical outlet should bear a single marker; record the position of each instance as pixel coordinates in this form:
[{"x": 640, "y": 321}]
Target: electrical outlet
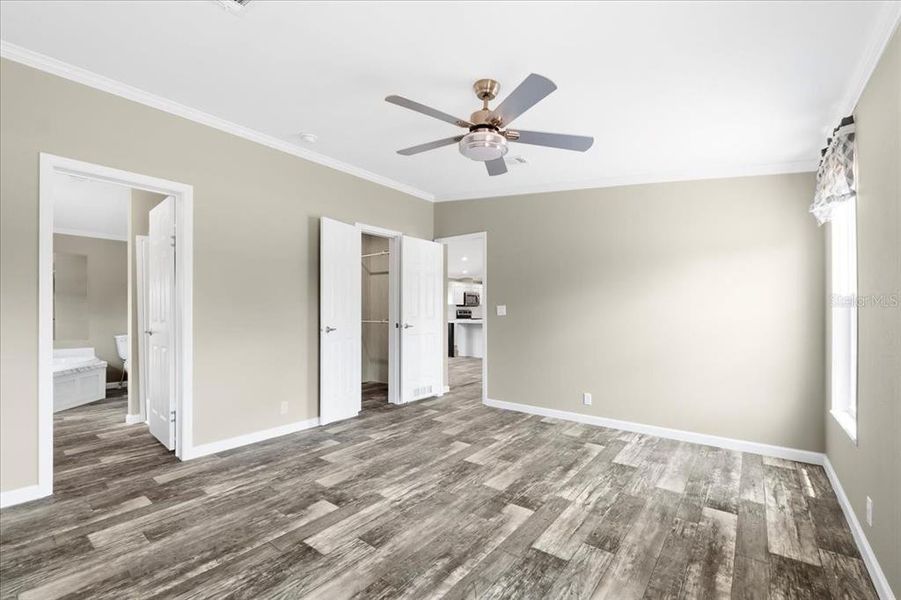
[
  {"x": 586, "y": 399},
  {"x": 869, "y": 511},
  {"x": 502, "y": 310},
  {"x": 284, "y": 408}
]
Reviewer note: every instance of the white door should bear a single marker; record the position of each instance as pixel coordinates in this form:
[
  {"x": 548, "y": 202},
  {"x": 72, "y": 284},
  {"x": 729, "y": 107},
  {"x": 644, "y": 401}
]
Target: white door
[
  {"x": 422, "y": 318},
  {"x": 160, "y": 322},
  {"x": 340, "y": 316}
]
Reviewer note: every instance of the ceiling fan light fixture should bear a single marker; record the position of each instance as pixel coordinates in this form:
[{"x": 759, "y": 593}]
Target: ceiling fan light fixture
[
  {"x": 486, "y": 142},
  {"x": 483, "y": 145}
]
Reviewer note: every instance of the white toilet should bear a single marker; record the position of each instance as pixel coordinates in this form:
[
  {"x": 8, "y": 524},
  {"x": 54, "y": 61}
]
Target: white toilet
[{"x": 122, "y": 350}]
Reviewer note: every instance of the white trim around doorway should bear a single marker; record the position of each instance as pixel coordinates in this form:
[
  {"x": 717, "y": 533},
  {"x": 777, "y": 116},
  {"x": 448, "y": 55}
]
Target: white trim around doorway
[
  {"x": 142, "y": 246},
  {"x": 481, "y": 235},
  {"x": 51, "y": 165}
]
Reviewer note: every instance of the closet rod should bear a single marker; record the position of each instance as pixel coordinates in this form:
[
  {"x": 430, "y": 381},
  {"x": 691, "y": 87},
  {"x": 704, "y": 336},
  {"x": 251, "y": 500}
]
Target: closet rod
[
  {"x": 375, "y": 254},
  {"x": 382, "y": 322}
]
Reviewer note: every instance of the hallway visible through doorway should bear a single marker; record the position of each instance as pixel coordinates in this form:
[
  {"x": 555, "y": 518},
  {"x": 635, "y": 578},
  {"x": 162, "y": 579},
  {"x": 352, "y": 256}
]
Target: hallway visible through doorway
[
  {"x": 463, "y": 370},
  {"x": 466, "y": 302}
]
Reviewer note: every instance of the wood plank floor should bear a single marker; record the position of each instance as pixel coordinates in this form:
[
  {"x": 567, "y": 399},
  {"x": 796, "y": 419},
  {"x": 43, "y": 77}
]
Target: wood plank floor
[{"x": 441, "y": 498}]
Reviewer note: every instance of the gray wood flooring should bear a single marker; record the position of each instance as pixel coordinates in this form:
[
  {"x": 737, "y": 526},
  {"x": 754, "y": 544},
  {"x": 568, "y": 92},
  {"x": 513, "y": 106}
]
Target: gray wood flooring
[{"x": 441, "y": 498}]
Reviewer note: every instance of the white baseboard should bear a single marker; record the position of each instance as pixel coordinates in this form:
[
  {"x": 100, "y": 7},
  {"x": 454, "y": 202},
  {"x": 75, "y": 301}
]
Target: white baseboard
[
  {"x": 795, "y": 454},
  {"x": 25, "y": 494},
  {"x": 249, "y": 438},
  {"x": 115, "y": 385},
  {"x": 34, "y": 492},
  {"x": 880, "y": 582},
  {"x": 133, "y": 419}
]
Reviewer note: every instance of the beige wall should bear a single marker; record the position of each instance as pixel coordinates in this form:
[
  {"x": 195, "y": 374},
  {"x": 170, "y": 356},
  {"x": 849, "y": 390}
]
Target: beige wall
[
  {"x": 138, "y": 224},
  {"x": 695, "y": 305},
  {"x": 375, "y": 307},
  {"x": 106, "y": 309},
  {"x": 873, "y": 467},
  {"x": 256, "y": 239}
]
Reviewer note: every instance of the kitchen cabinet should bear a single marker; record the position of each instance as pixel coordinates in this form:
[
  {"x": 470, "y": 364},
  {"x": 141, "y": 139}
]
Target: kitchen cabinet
[
  {"x": 456, "y": 289},
  {"x": 468, "y": 337}
]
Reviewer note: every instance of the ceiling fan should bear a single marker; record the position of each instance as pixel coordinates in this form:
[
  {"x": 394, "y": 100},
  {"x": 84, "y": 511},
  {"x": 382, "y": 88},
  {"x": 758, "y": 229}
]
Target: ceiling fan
[{"x": 487, "y": 139}]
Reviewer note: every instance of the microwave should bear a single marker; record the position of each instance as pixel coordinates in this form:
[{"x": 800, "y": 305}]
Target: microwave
[{"x": 470, "y": 299}]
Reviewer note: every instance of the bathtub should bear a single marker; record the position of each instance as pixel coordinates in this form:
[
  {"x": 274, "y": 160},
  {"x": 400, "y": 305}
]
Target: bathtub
[{"x": 79, "y": 377}]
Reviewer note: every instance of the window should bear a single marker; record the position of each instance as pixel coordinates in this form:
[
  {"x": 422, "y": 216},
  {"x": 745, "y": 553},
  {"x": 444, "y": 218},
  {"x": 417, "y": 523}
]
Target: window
[{"x": 844, "y": 315}]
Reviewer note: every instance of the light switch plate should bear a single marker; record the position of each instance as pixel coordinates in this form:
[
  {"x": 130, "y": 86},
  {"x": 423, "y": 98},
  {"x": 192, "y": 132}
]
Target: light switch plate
[{"x": 502, "y": 310}]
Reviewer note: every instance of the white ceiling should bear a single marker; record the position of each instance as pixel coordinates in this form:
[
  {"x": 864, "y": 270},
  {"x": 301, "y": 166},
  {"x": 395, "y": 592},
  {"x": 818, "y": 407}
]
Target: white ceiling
[
  {"x": 90, "y": 208},
  {"x": 464, "y": 259},
  {"x": 669, "y": 90}
]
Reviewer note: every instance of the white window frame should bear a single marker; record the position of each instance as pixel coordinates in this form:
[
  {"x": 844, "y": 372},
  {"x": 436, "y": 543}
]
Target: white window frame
[{"x": 843, "y": 308}]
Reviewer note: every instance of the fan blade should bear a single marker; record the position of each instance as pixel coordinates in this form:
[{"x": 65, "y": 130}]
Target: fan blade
[
  {"x": 580, "y": 143},
  {"x": 529, "y": 93},
  {"x": 429, "y": 146},
  {"x": 428, "y": 110},
  {"x": 496, "y": 166}
]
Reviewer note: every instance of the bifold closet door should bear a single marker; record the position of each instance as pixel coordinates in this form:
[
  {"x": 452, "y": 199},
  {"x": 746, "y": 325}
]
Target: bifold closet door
[
  {"x": 340, "y": 314},
  {"x": 421, "y": 318},
  {"x": 160, "y": 323}
]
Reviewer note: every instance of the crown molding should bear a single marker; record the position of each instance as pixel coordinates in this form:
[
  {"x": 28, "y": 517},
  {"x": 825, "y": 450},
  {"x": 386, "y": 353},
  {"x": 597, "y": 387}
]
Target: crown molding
[
  {"x": 94, "y": 80},
  {"x": 805, "y": 166},
  {"x": 890, "y": 16},
  {"x": 888, "y": 21}
]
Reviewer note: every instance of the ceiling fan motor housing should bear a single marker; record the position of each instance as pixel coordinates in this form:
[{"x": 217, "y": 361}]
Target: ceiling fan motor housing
[
  {"x": 483, "y": 142},
  {"x": 485, "y": 117}
]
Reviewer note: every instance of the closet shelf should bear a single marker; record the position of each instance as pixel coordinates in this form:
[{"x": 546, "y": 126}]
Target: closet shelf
[
  {"x": 385, "y": 253},
  {"x": 385, "y": 322}
]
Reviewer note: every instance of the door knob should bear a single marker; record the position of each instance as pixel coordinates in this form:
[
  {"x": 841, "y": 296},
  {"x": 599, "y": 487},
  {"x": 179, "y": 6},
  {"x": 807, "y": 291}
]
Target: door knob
[
  {"x": 407, "y": 326},
  {"x": 330, "y": 329},
  {"x": 148, "y": 332}
]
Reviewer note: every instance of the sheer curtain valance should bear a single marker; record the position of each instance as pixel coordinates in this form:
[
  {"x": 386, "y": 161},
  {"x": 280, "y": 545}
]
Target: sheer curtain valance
[{"x": 836, "y": 181}]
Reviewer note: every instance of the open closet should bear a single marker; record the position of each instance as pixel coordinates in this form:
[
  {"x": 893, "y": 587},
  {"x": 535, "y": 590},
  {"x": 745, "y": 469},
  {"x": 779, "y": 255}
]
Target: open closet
[
  {"x": 381, "y": 328},
  {"x": 375, "y": 321}
]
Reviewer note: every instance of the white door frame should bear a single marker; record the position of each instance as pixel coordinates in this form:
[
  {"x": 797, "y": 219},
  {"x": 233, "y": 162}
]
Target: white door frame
[
  {"x": 50, "y": 166},
  {"x": 481, "y": 235},
  {"x": 394, "y": 237},
  {"x": 141, "y": 242}
]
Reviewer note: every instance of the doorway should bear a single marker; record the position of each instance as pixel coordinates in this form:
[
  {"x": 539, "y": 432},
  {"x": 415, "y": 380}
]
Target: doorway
[
  {"x": 376, "y": 323},
  {"x": 167, "y": 365},
  {"x": 381, "y": 319},
  {"x": 466, "y": 305}
]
